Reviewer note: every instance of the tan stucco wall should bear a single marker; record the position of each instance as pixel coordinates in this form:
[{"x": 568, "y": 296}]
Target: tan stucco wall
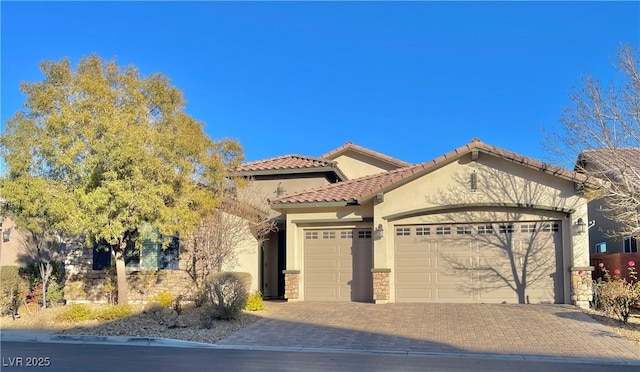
[
  {"x": 15, "y": 252},
  {"x": 267, "y": 187},
  {"x": 355, "y": 165}
]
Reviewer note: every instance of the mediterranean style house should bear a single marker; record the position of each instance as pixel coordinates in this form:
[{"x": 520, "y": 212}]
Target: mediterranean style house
[{"x": 479, "y": 224}]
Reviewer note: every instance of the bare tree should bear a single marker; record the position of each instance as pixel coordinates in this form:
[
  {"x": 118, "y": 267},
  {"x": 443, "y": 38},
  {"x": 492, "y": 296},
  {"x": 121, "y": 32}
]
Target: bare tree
[
  {"x": 239, "y": 225},
  {"x": 602, "y": 130},
  {"x": 45, "y": 249}
]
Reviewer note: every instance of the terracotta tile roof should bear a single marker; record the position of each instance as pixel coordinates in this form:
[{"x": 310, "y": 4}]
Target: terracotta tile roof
[
  {"x": 611, "y": 165},
  {"x": 350, "y": 146},
  {"x": 363, "y": 188},
  {"x": 286, "y": 162}
]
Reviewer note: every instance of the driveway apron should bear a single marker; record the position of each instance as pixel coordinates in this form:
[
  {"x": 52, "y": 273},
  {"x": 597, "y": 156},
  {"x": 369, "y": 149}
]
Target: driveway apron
[{"x": 535, "y": 330}]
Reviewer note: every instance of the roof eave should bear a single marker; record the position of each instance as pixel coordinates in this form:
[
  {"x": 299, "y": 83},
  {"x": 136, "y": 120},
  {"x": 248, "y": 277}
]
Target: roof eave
[
  {"x": 268, "y": 172},
  {"x": 300, "y": 205}
]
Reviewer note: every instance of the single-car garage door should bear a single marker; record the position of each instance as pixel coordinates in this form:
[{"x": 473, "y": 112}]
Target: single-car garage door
[
  {"x": 337, "y": 265},
  {"x": 492, "y": 262}
]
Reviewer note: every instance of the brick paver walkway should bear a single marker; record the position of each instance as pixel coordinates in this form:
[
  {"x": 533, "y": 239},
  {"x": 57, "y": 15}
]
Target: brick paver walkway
[{"x": 540, "y": 330}]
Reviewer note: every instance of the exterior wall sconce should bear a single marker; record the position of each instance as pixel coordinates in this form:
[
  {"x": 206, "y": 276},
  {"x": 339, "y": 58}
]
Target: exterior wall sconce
[
  {"x": 379, "y": 232},
  {"x": 581, "y": 226},
  {"x": 6, "y": 233}
]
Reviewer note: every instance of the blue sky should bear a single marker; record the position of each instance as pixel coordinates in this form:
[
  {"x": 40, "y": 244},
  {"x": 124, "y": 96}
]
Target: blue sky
[{"x": 413, "y": 80}]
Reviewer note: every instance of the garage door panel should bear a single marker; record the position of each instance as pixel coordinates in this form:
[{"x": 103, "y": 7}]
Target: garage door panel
[
  {"x": 446, "y": 277},
  {"x": 415, "y": 277},
  {"x": 462, "y": 267},
  {"x": 338, "y": 266},
  {"x": 414, "y": 294},
  {"x": 454, "y": 294}
]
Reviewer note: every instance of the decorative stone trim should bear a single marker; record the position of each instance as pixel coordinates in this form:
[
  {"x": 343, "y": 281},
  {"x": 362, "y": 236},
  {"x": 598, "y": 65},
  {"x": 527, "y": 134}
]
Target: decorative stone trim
[
  {"x": 581, "y": 286},
  {"x": 291, "y": 284},
  {"x": 380, "y": 285}
]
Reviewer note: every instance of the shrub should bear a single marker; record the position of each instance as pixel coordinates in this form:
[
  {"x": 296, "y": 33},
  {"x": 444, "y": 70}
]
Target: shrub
[
  {"x": 163, "y": 298},
  {"x": 227, "y": 294},
  {"x": 616, "y": 296},
  {"x": 75, "y": 290},
  {"x": 54, "y": 293},
  {"x": 113, "y": 312},
  {"x": 75, "y": 313},
  {"x": 13, "y": 289},
  {"x": 254, "y": 302}
]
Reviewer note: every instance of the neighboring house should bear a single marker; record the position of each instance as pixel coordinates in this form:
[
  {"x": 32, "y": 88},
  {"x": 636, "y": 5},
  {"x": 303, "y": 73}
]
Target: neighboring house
[
  {"x": 14, "y": 245},
  {"x": 604, "y": 235},
  {"x": 479, "y": 224}
]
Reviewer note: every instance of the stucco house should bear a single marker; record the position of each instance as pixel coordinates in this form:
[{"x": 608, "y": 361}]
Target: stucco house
[{"x": 478, "y": 224}]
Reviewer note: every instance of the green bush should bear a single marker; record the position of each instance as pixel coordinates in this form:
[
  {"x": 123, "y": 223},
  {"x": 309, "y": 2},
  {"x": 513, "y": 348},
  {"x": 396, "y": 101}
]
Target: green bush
[
  {"x": 82, "y": 312},
  {"x": 75, "y": 313},
  {"x": 13, "y": 289},
  {"x": 113, "y": 312},
  {"x": 254, "y": 302},
  {"x": 163, "y": 298},
  {"x": 226, "y": 292},
  {"x": 615, "y": 296}
]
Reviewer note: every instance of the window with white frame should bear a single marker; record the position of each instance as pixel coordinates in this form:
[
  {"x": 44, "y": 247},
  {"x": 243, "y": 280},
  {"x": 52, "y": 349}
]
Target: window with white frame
[
  {"x": 403, "y": 231},
  {"x": 506, "y": 229},
  {"x": 443, "y": 230},
  {"x": 328, "y": 235},
  {"x": 346, "y": 234},
  {"x": 423, "y": 231},
  {"x": 463, "y": 230},
  {"x": 485, "y": 229}
]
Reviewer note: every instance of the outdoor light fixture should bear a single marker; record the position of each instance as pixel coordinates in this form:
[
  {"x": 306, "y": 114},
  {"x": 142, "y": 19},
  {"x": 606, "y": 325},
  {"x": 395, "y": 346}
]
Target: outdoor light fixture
[
  {"x": 581, "y": 226},
  {"x": 379, "y": 231},
  {"x": 6, "y": 234}
]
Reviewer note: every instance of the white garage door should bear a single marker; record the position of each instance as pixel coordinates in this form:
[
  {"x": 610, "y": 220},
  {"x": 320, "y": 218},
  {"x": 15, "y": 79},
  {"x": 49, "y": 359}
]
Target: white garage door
[
  {"x": 481, "y": 263},
  {"x": 337, "y": 265}
]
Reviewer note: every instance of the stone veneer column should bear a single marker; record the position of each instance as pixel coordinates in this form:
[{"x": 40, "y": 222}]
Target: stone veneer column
[
  {"x": 581, "y": 286},
  {"x": 291, "y": 284},
  {"x": 380, "y": 285}
]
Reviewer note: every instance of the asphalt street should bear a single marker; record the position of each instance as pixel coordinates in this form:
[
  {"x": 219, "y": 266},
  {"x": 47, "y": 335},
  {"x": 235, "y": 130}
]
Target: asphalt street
[{"x": 93, "y": 357}]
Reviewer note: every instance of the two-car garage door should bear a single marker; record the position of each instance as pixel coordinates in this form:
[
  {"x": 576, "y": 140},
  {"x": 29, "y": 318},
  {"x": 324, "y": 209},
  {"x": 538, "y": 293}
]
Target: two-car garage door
[
  {"x": 337, "y": 265},
  {"x": 491, "y": 262}
]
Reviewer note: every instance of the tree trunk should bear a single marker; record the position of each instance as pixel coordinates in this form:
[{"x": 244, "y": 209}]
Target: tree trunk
[{"x": 121, "y": 275}]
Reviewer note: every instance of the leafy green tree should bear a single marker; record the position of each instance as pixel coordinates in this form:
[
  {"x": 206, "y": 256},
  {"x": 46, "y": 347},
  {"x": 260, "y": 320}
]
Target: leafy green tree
[{"x": 110, "y": 151}]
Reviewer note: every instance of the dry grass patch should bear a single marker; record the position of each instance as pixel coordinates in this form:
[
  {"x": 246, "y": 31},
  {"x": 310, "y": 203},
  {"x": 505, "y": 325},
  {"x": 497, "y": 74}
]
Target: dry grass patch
[
  {"x": 135, "y": 325},
  {"x": 629, "y": 330}
]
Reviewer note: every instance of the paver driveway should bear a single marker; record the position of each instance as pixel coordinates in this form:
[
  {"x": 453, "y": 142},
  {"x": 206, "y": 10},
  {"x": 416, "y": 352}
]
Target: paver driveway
[{"x": 540, "y": 330}]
